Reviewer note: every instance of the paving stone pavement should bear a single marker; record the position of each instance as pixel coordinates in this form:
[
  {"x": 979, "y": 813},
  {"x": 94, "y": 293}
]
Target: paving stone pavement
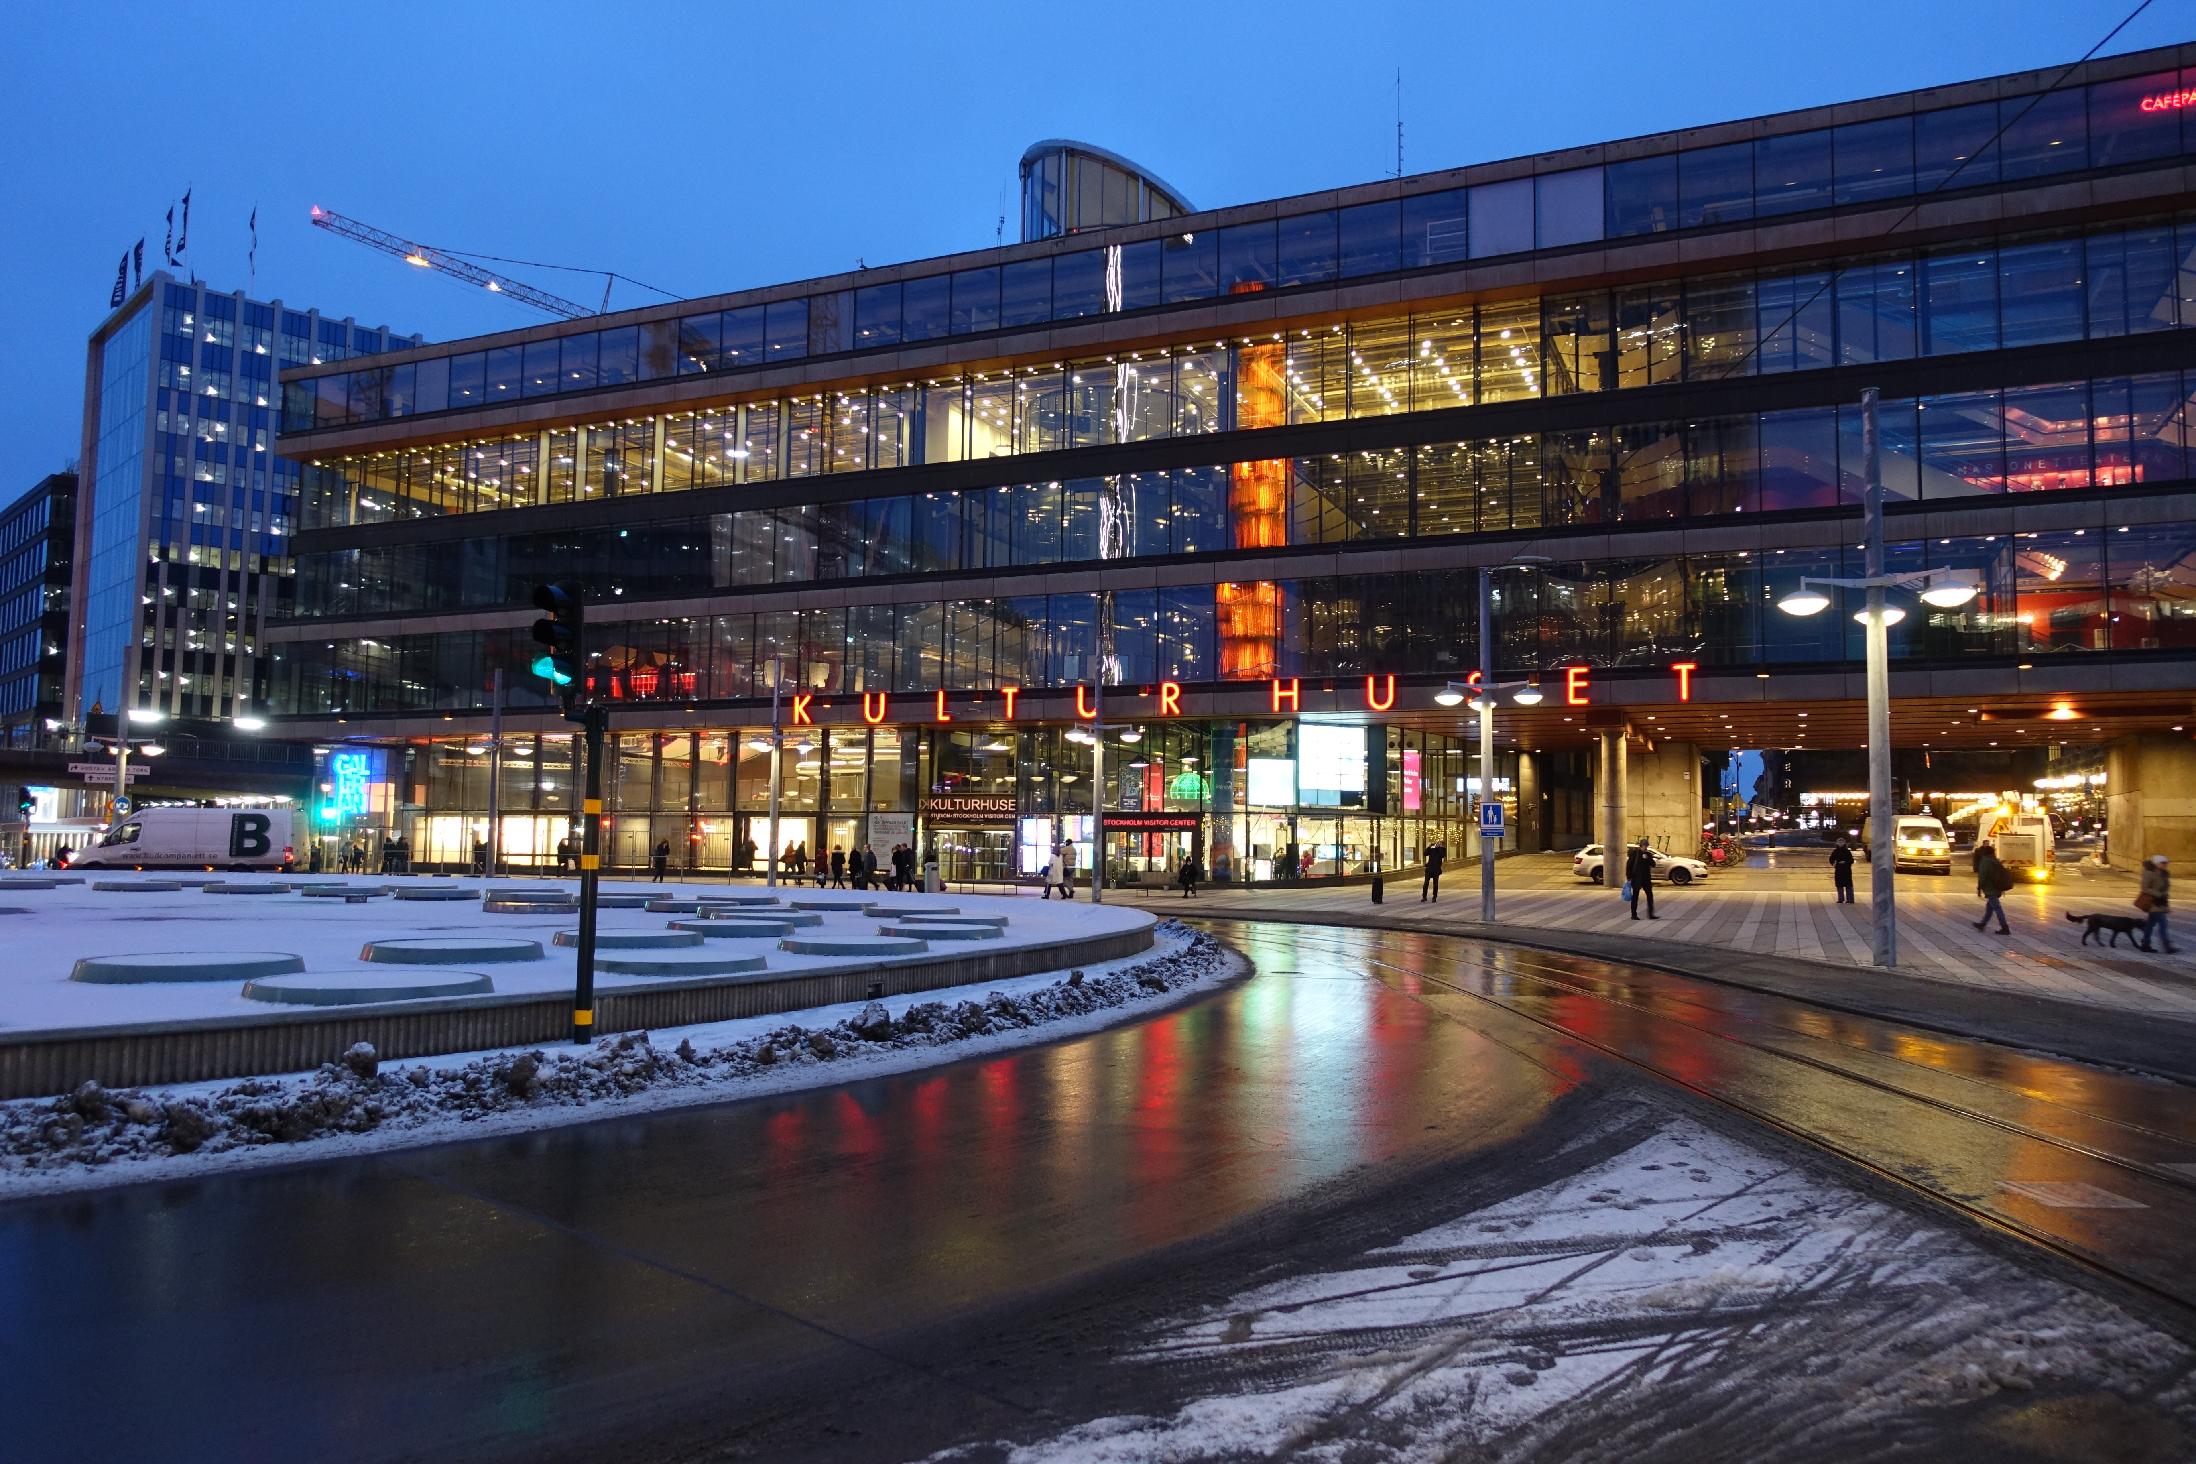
[{"x": 2043, "y": 956}]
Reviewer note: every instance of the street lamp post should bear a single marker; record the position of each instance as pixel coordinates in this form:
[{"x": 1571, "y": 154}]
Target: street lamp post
[
  {"x": 1527, "y": 693},
  {"x": 777, "y": 766},
  {"x": 1943, "y": 589}
]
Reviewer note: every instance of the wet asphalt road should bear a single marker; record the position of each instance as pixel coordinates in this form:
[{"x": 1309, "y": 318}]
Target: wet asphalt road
[{"x": 739, "y": 1281}]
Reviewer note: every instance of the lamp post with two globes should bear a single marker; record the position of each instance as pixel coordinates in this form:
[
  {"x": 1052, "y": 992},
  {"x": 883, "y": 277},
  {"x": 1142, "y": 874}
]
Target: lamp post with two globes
[{"x": 1941, "y": 588}]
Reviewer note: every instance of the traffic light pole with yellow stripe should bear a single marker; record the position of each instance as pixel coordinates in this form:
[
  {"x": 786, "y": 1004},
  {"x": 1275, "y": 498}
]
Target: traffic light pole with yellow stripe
[
  {"x": 591, "y": 720},
  {"x": 562, "y": 662}
]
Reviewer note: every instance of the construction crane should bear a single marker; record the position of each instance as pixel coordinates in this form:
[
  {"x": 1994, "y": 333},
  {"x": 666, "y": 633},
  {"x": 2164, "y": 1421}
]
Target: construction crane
[{"x": 422, "y": 256}]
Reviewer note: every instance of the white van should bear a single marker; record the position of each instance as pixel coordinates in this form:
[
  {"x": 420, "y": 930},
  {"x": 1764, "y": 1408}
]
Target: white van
[
  {"x": 1919, "y": 841},
  {"x": 194, "y": 838}
]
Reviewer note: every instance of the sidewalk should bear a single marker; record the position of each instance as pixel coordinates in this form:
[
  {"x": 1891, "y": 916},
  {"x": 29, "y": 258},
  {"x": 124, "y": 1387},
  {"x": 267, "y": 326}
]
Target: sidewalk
[{"x": 2038, "y": 986}]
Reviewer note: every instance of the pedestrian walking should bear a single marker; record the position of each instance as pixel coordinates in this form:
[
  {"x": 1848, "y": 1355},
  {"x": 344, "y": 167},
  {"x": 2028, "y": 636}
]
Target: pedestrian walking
[
  {"x": 659, "y": 860},
  {"x": 480, "y": 855},
  {"x": 2157, "y": 885},
  {"x": 838, "y": 868},
  {"x": 869, "y": 865},
  {"x": 1992, "y": 880},
  {"x": 564, "y": 855},
  {"x": 1841, "y": 871},
  {"x": 1186, "y": 876},
  {"x": 1429, "y": 886},
  {"x": 1067, "y": 871},
  {"x": 1639, "y": 873}
]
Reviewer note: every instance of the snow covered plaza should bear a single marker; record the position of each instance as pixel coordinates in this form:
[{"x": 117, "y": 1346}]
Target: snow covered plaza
[{"x": 147, "y": 956}]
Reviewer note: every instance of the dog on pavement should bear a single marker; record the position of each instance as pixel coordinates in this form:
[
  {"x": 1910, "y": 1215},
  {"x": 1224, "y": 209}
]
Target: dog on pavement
[{"x": 2134, "y": 927}]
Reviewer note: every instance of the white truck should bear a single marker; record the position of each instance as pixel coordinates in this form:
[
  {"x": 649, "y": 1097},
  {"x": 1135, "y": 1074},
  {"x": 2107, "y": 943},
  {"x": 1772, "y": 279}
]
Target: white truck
[
  {"x": 2025, "y": 844},
  {"x": 194, "y": 838}
]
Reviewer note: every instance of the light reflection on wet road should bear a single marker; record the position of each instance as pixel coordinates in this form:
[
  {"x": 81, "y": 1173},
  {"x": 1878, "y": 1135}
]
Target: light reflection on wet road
[{"x": 515, "y": 1297}]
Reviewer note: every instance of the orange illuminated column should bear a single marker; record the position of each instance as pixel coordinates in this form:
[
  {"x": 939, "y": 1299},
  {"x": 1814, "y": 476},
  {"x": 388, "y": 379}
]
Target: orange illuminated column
[{"x": 1258, "y": 507}]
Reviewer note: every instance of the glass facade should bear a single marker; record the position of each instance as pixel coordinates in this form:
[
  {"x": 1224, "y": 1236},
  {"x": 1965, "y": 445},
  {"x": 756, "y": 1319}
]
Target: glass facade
[
  {"x": 1984, "y": 295},
  {"x": 1181, "y": 517},
  {"x": 1943, "y": 150},
  {"x": 1248, "y": 799},
  {"x": 191, "y": 510},
  {"x": 2109, "y": 585},
  {"x": 115, "y": 545}
]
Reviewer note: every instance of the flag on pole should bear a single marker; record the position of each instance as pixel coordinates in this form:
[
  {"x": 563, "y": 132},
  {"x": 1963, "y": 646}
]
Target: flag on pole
[
  {"x": 121, "y": 282},
  {"x": 167, "y": 247},
  {"x": 183, "y": 235},
  {"x": 251, "y": 256},
  {"x": 137, "y": 262}
]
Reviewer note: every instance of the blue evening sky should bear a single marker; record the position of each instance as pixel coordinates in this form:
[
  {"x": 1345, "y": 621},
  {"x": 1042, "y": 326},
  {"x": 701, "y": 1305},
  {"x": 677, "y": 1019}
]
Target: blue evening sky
[{"x": 708, "y": 147}]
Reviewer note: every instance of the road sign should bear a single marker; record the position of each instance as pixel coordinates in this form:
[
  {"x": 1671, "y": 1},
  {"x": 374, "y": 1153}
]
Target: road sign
[
  {"x": 103, "y": 772},
  {"x": 123, "y": 805},
  {"x": 1490, "y": 819}
]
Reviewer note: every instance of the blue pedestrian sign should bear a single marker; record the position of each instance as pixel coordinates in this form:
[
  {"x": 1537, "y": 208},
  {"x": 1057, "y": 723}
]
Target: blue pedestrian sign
[
  {"x": 122, "y": 805},
  {"x": 1490, "y": 818}
]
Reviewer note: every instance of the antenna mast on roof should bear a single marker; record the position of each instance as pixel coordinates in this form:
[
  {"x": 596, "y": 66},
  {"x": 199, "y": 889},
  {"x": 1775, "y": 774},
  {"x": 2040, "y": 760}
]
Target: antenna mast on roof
[{"x": 1398, "y": 121}]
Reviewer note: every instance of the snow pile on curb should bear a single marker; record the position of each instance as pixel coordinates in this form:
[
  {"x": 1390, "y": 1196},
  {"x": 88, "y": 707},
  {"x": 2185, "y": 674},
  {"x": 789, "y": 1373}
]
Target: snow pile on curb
[{"x": 95, "y": 1127}]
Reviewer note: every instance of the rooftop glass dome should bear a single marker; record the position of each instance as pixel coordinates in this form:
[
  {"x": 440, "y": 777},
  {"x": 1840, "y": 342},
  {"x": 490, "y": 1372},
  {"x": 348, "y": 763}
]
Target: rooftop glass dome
[{"x": 1069, "y": 186}]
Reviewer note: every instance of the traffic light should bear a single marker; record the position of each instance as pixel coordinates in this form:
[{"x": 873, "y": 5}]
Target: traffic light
[
  {"x": 24, "y": 803},
  {"x": 558, "y": 632}
]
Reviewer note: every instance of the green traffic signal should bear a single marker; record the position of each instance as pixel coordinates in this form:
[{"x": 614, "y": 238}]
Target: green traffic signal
[{"x": 546, "y": 668}]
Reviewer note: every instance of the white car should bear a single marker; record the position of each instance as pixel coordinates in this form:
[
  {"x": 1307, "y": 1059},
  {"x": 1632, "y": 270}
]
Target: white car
[{"x": 1669, "y": 868}]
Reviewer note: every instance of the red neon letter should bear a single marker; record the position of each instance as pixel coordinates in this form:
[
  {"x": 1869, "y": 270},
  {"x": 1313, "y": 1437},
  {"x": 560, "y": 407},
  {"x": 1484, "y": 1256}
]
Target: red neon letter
[
  {"x": 1083, "y": 708},
  {"x": 873, "y": 707},
  {"x": 1684, "y": 670},
  {"x": 943, "y": 714},
  {"x": 1578, "y": 688},
  {"x": 1372, "y": 702},
  {"x": 800, "y": 712},
  {"x": 1170, "y": 698},
  {"x": 1292, "y": 693},
  {"x": 1010, "y": 693}
]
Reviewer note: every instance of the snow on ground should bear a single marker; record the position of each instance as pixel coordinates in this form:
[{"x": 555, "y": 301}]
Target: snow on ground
[
  {"x": 98, "y": 1137},
  {"x": 58, "y": 926},
  {"x": 1690, "y": 1297}
]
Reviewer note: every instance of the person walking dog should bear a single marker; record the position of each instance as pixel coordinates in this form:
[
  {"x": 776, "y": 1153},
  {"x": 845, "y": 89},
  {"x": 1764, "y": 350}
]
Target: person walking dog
[
  {"x": 1992, "y": 880},
  {"x": 2157, "y": 886},
  {"x": 1841, "y": 871},
  {"x": 1639, "y": 873}
]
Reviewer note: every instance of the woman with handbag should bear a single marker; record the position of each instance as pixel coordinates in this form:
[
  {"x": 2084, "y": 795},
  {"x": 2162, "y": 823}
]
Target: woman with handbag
[{"x": 2157, "y": 886}]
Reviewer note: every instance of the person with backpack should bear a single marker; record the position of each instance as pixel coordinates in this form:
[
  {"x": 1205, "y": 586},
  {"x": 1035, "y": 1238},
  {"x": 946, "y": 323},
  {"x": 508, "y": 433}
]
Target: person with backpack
[
  {"x": 1992, "y": 880},
  {"x": 1429, "y": 887}
]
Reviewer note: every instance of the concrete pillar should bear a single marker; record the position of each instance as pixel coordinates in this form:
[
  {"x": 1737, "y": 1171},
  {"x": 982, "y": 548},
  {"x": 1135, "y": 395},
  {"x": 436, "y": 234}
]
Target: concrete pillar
[
  {"x": 2150, "y": 799},
  {"x": 1609, "y": 790},
  {"x": 1663, "y": 802}
]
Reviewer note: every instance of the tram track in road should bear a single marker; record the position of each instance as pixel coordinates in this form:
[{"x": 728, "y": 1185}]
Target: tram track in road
[{"x": 2096, "y": 1167}]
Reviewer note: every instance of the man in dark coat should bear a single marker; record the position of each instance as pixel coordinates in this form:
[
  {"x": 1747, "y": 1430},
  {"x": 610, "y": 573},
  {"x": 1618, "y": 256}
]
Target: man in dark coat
[
  {"x": 1429, "y": 888},
  {"x": 1639, "y": 873},
  {"x": 1841, "y": 871}
]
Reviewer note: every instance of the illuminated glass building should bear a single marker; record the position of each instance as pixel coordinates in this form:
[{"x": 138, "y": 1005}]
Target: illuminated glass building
[
  {"x": 185, "y": 510},
  {"x": 1229, "y": 472}
]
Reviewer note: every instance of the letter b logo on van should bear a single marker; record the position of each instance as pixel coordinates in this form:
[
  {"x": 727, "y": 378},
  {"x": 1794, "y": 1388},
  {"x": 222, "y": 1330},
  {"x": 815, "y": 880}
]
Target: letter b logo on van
[{"x": 250, "y": 836}]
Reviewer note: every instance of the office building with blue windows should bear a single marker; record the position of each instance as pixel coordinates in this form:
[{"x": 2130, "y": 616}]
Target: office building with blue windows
[
  {"x": 1211, "y": 490},
  {"x": 184, "y": 510}
]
